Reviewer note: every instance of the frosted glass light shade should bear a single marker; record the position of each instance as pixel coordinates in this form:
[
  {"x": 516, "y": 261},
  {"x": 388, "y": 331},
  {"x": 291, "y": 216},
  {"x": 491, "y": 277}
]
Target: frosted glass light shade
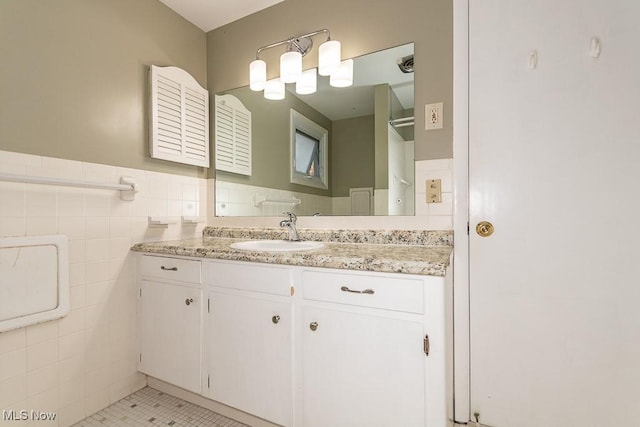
[
  {"x": 308, "y": 82},
  {"x": 274, "y": 90},
  {"x": 328, "y": 57},
  {"x": 290, "y": 67},
  {"x": 343, "y": 75},
  {"x": 257, "y": 74}
]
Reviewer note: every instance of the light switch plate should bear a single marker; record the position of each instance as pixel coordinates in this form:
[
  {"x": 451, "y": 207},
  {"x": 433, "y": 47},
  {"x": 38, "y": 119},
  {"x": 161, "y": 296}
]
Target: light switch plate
[
  {"x": 434, "y": 191},
  {"x": 433, "y": 115}
]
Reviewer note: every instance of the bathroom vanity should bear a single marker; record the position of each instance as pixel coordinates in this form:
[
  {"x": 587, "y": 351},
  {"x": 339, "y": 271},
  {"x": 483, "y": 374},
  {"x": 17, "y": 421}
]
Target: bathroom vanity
[{"x": 351, "y": 334}]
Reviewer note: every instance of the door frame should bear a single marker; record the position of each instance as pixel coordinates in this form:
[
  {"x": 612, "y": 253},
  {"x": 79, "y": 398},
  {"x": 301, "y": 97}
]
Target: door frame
[{"x": 461, "y": 307}]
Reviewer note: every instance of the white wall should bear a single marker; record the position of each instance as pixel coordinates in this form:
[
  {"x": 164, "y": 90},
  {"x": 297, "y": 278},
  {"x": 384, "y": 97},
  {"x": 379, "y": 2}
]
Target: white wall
[
  {"x": 85, "y": 361},
  {"x": 399, "y": 179}
]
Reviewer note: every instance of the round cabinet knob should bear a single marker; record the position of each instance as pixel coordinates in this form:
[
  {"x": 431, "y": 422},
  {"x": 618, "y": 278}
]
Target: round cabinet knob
[
  {"x": 275, "y": 319},
  {"x": 313, "y": 326},
  {"x": 484, "y": 229},
  {"x": 188, "y": 301}
]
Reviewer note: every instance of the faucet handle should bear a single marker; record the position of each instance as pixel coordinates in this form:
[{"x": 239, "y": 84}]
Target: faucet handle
[{"x": 292, "y": 217}]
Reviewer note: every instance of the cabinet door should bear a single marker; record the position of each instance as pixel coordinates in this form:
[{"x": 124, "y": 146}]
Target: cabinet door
[
  {"x": 361, "y": 370},
  {"x": 170, "y": 333},
  {"x": 250, "y": 354}
]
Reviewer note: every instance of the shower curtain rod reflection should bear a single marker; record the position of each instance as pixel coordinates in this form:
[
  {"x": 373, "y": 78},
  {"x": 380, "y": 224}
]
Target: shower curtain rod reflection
[{"x": 402, "y": 122}]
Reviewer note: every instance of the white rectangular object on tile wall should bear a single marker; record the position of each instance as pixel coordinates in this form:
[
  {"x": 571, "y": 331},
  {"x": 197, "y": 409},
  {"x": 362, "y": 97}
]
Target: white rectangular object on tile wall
[
  {"x": 233, "y": 135},
  {"x": 179, "y": 117},
  {"x": 34, "y": 280}
]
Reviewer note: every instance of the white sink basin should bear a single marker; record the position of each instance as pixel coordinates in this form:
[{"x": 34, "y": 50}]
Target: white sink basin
[{"x": 276, "y": 246}]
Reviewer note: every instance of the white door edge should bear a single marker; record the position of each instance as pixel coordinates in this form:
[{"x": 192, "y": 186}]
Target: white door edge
[{"x": 461, "y": 210}]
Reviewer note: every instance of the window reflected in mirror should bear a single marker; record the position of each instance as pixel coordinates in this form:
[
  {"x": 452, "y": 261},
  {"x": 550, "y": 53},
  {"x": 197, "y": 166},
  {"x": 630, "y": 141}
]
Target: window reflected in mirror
[
  {"x": 309, "y": 145},
  {"x": 307, "y": 150}
]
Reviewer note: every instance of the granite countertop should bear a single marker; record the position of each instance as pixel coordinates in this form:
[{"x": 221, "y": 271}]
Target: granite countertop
[{"x": 411, "y": 252}]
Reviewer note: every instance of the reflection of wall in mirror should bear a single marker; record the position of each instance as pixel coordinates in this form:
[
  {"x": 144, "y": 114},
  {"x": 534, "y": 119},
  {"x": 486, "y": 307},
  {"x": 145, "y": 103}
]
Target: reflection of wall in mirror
[
  {"x": 351, "y": 151},
  {"x": 354, "y": 144},
  {"x": 401, "y": 188},
  {"x": 358, "y": 136},
  {"x": 270, "y": 130}
]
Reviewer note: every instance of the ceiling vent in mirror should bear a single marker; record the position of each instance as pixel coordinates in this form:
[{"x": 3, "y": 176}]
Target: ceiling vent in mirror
[{"x": 406, "y": 64}]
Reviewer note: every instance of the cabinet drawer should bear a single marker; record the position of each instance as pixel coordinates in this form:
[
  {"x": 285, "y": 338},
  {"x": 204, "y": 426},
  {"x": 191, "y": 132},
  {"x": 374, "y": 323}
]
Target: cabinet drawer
[
  {"x": 173, "y": 269},
  {"x": 391, "y": 293},
  {"x": 249, "y": 277}
]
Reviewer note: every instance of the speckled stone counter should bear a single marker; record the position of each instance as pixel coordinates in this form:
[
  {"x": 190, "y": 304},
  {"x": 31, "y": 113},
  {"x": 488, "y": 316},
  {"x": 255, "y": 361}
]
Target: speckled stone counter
[
  {"x": 400, "y": 237},
  {"x": 411, "y": 252}
]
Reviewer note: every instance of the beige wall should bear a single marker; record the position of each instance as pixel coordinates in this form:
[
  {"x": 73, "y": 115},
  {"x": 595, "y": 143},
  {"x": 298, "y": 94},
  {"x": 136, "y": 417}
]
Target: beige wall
[
  {"x": 73, "y": 79},
  {"x": 74, "y": 72},
  {"x": 362, "y": 26},
  {"x": 352, "y": 155}
]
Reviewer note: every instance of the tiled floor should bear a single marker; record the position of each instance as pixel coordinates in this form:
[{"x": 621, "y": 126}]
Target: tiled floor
[{"x": 150, "y": 407}]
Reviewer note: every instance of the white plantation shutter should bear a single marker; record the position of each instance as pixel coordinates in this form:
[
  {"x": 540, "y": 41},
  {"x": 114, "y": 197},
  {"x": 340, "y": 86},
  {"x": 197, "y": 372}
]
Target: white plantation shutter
[
  {"x": 233, "y": 135},
  {"x": 179, "y": 117}
]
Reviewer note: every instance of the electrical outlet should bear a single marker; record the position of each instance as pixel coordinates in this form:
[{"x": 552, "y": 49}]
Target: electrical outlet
[
  {"x": 434, "y": 191},
  {"x": 433, "y": 115}
]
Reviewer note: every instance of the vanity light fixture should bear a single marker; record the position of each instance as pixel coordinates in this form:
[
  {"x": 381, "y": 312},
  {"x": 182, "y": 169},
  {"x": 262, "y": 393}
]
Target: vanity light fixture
[
  {"x": 274, "y": 89},
  {"x": 308, "y": 82},
  {"x": 329, "y": 63},
  {"x": 290, "y": 66},
  {"x": 343, "y": 75},
  {"x": 257, "y": 75},
  {"x": 329, "y": 54}
]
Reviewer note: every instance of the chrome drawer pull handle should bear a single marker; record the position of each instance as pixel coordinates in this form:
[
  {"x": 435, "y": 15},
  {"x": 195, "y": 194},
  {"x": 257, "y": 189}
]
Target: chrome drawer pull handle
[
  {"x": 366, "y": 291},
  {"x": 162, "y": 267}
]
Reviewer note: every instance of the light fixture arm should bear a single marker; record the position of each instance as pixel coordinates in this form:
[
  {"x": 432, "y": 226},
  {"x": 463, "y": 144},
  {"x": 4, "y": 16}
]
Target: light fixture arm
[{"x": 293, "y": 42}]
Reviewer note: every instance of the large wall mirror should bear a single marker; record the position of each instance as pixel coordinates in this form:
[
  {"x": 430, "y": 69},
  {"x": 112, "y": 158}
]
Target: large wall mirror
[{"x": 370, "y": 155}]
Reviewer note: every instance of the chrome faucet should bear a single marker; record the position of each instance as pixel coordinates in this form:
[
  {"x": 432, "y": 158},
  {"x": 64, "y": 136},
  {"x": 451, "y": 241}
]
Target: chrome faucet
[{"x": 291, "y": 226}]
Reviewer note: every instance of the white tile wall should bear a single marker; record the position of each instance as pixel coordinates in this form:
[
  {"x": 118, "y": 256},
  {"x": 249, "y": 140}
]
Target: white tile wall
[
  {"x": 238, "y": 200},
  {"x": 233, "y": 199},
  {"x": 85, "y": 361},
  {"x": 440, "y": 214}
]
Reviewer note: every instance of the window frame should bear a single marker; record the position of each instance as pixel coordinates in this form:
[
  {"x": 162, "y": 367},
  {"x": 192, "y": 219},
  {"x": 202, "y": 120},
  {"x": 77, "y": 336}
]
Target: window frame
[{"x": 299, "y": 122}]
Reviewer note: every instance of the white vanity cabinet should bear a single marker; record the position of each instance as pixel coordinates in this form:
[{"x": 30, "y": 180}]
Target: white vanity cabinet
[
  {"x": 170, "y": 320},
  {"x": 249, "y": 338},
  {"x": 298, "y": 346},
  {"x": 363, "y": 351}
]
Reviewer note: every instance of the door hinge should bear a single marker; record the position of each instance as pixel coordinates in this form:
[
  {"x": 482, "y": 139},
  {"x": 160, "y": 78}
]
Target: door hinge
[
  {"x": 208, "y": 381},
  {"x": 140, "y": 292},
  {"x": 140, "y": 357},
  {"x": 208, "y": 305},
  {"x": 467, "y": 228},
  {"x": 426, "y": 345}
]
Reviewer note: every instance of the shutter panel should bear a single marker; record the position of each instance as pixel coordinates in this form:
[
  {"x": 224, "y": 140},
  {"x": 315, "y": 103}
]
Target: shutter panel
[
  {"x": 179, "y": 117},
  {"x": 233, "y": 135}
]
